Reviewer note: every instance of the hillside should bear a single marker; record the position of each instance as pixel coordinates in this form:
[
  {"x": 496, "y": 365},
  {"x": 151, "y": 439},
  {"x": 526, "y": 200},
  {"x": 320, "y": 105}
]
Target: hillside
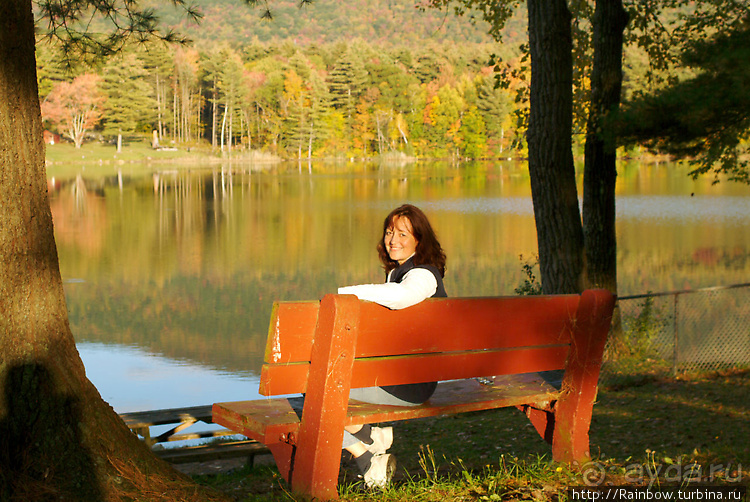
[{"x": 382, "y": 22}]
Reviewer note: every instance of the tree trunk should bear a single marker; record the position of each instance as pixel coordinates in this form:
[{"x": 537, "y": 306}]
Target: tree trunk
[
  {"x": 551, "y": 169},
  {"x": 600, "y": 170},
  {"x": 60, "y": 440},
  {"x": 159, "y": 104},
  {"x": 214, "y": 117}
]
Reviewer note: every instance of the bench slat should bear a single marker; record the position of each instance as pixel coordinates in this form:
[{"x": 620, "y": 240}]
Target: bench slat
[
  {"x": 291, "y": 379},
  {"x": 267, "y": 420},
  {"x": 263, "y": 420},
  {"x": 291, "y": 331},
  {"x": 464, "y": 324},
  {"x": 475, "y": 323}
]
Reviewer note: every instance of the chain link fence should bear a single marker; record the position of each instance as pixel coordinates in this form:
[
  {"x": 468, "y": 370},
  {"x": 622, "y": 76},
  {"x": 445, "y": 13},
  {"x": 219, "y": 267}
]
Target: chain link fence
[{"x": 684, "y": 331}]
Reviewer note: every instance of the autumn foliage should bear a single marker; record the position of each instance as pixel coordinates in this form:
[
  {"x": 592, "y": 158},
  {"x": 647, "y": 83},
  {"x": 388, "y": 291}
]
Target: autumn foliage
[{"x": 75, "y": 107}]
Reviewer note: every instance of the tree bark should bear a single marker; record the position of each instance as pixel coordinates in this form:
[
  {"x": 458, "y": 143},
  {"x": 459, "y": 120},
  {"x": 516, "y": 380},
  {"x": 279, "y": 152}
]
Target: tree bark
[
  {"x": 600, "y": 170},
  {"x": 553, "y": 184},
  {"x": 60, "y": 440}
]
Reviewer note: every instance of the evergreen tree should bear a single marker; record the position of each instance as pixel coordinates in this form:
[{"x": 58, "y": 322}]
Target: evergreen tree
[
  {"x": 495, "y": 104},
  {"x": 131, "y": 105},
  {"x": 427, "y": 67},
  {"x": 320, "y": 109},
  {"x": 185, "y": 95},
  {"x": 158, "y": 62},
  {"x": 50, "y": 68},
  {"x": 346, "y": 81},
  {"x": 297, "y": 112},
  {"x": 230, "y": 91},
  {"x": 268, "y": 103},
  {"x": 210, "y": 65}
]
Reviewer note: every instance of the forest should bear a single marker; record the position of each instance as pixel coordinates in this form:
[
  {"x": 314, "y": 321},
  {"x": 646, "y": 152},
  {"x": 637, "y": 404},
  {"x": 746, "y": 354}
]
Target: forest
[
  {"x": 441, "y": 89},
  {"x": 338, "y": 99}
]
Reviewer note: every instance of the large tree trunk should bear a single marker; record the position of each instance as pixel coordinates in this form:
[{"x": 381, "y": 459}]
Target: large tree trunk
[
  {"x": 553, "y": 183},
  {"x": 600, "y": 170},
  {"x": 60, "y": 440}
]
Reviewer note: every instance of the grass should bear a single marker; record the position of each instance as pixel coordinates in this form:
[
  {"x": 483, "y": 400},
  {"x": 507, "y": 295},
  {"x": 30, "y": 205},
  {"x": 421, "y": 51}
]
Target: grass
[
  {"x": 136, "y": 150},
  {"x": 645, "y": 430},
  {"x": 102, "y": 159}
]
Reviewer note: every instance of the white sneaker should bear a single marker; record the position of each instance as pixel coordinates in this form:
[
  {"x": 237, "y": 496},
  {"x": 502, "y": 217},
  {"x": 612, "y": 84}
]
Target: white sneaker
[
  {"x": 381, "y": 471},
  {"x": 382, "y": 439}
]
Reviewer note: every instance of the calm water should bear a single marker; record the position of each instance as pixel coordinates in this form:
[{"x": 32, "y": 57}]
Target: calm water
[{"x": 170, "y": 276}]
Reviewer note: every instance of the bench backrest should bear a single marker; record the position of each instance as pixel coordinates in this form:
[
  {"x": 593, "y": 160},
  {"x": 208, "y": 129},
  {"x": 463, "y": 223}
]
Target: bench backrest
[{"x": 438, "y": 339}]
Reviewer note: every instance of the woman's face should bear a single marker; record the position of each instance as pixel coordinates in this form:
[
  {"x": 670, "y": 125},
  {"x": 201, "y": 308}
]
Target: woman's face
[{"x": 399, "y": 241}]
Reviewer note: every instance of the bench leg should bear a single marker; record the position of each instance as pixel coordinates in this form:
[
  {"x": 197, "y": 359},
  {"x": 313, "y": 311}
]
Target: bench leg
[
  {"x": 543, "y": 421},
  {"x": 283, "y": 454},
  {"x": 571, "y": 437},
  {"x": 570, "y": 442},
  {"x": 318, "y": 457}
]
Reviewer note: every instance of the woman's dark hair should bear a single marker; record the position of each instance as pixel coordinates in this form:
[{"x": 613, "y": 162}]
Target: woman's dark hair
[{"x": 428, "y": 250}]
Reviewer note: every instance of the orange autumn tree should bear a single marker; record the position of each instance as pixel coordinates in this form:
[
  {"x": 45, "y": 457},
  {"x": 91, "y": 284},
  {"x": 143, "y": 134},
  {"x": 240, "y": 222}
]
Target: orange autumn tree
[{"x": 75, "y": 107}]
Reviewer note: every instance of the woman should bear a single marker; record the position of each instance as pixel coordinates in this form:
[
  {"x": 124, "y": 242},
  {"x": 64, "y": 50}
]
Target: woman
[{"x": 414, "y": 263}]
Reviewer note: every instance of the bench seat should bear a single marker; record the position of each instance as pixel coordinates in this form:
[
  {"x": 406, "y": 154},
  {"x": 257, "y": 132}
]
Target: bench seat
[{"x": 276, "y": 420}]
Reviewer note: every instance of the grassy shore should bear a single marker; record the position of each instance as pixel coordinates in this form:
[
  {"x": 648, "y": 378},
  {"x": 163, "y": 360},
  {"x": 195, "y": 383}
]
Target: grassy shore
[
  {"x": 97, "y": 158},
  {"x": 646, "y": 429}
]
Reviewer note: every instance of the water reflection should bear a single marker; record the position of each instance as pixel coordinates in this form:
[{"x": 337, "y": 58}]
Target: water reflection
[
  {"x": 521, "y": 206},
  {"x": 682, "y": 209},
  {"x": 134, "y": 379},
  {"x": 184, "y": 265}
]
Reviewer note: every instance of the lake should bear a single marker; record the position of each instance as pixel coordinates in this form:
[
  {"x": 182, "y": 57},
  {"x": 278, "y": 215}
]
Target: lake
[{"x": 170, "y": 275}]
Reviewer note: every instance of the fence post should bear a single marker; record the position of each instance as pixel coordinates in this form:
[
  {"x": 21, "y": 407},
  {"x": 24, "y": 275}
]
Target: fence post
[{"x": 676, "y": 352}]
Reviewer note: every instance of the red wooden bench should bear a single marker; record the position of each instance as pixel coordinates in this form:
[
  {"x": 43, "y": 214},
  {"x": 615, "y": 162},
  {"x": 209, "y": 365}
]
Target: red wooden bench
[{"x": 361, "y": 344}]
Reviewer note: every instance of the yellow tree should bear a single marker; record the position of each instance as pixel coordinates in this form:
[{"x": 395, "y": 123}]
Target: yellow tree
[{"x": 362, "y": 128}]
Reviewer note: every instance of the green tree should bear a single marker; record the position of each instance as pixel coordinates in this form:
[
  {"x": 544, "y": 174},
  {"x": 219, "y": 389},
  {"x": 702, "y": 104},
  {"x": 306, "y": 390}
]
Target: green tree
[
  {"x": 267, "y": 94},
  {"x": 473, "y": 134},
  {"x": 210, "y": 66},
  {"x": 230, "y": 87},
  {"x": 50, "y": 68},
  {"x": 158, "y": 62},
  {"x": 346, "y": 81},
  {"x": 185, "y": 91},
  {"x": 131, "y": 105},
  {"x": 443, "y": 119},
  {"x": 705, "y": 118},
  {"x": 495, "y": 104}
]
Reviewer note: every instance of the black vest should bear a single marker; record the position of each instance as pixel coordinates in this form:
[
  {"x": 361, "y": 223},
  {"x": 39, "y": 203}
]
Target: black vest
[
  {"x": 399, "y": 272},
  {"x": 416, "y": 393}
]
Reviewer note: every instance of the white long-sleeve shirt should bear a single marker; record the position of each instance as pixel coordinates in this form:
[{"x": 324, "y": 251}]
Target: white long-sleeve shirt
[{"x": 417, "y": 285}]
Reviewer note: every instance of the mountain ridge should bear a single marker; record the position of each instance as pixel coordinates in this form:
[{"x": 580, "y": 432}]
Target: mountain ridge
[{"x": 385, "y": 22}]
